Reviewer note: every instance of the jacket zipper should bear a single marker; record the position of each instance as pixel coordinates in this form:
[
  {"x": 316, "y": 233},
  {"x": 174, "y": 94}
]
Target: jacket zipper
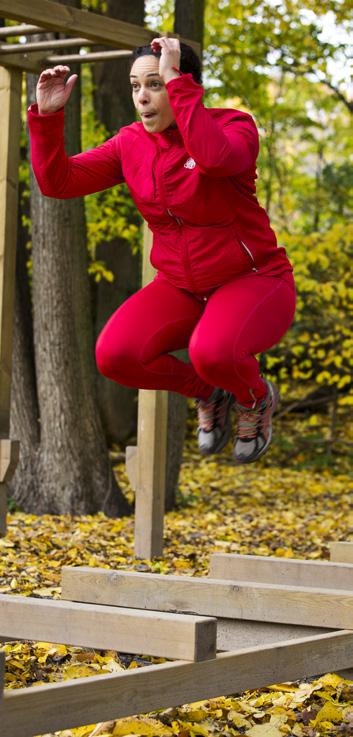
[
  {"x": 250, "y": 254},
  {"x": 179, "y": 221}
]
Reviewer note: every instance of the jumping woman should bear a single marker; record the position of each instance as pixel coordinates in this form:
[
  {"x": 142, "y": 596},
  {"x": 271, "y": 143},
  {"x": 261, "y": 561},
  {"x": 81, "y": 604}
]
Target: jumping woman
[{"x": 223, "y": 287}]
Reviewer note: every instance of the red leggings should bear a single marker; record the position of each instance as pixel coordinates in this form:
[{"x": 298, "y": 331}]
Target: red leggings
[{"x": 223, "y": 332}]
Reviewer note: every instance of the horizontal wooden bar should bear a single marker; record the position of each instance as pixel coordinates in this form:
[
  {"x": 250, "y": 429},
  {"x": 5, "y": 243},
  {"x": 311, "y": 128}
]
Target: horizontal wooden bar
[
  {"x": 283, "y": 571},
  {"x": 23, "y": 30},
  {"x": 61, "y": 43},
  {"x": 104, "y": 627},
  {"x": 87, "y": 58},
  {"x": 48, "y": 708},
  {"x": 311, "y": 607},
  {"x": 66, "y": 19},
  {"x": 24, "y": 62},
  {"x": 233, "y": 634},
  {"x": 341, "y": 552}
]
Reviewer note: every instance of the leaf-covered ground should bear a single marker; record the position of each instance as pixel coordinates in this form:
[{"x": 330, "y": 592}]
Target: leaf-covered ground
[{"x": 262, "y": 509}]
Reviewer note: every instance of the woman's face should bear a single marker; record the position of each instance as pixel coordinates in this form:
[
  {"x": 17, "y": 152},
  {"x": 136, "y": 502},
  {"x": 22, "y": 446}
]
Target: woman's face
[{"x": 150, "y": 95}]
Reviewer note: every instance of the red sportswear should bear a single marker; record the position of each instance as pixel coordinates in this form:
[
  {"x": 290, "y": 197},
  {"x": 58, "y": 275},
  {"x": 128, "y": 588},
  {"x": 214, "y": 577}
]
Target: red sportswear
[{"x": 194, "y": 185}]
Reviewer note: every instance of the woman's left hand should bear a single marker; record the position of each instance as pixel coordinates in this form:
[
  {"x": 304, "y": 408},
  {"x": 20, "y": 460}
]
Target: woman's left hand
[{"x": 170, "y": 57}]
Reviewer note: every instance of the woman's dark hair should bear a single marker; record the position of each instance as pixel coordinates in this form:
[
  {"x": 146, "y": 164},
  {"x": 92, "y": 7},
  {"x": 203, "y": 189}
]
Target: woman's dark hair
[{"x": 189, "y": 61}]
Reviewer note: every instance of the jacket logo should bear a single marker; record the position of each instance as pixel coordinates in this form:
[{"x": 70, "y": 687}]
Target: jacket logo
[{"x": 190, "y": 164}]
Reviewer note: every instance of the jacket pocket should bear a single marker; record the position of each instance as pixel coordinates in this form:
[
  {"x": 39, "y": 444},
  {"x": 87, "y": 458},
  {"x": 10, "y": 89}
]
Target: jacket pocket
[{"x": 249, "y": 253}]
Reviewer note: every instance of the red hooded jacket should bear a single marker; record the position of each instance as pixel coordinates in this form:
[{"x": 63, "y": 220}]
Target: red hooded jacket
[{"x": 194, "y": 185}]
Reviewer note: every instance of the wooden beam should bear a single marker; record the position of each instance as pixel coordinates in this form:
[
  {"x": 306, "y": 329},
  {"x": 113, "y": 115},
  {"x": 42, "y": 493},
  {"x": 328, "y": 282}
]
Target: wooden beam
[
  {"x": 2, "y": 674},
  {"x": 10, "y": 106},
  {"x": 319, "y": 574},
  {"x": 311, "y": 607},
  {"x": 23, "y": 30},
  {"x": 9, "y": 455},
  {"x": 62, "y": 43},
  {"x": 30, "y": 711},
  {"x": 146, "y": 463},
  {"x": 104, "y": 627},
  {"x": 66, "y": 19},
  {"x": 24, "y": 62},
  {"x": 87, "y": 58},
  {"x": 233, "y": 634},
  {"x": 341, "y": 552}
]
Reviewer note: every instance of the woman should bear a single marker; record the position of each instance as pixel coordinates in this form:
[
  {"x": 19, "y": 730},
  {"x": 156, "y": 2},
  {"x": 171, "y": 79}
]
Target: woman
[{"x": 223, "y": 287}]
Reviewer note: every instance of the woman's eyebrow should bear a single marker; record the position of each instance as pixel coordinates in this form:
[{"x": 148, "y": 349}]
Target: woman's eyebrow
[{"x": 151, "y": 74}]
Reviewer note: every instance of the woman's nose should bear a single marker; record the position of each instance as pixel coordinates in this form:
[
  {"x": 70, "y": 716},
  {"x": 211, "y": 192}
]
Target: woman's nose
[{"x": 143, "y": 95}]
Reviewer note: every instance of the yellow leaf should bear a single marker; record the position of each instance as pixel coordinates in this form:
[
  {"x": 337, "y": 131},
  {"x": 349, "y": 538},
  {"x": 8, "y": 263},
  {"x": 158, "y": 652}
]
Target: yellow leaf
[
  {"x": 264, "y": 730},
  {"x": 145, "y": 727},
  {"x": 329, "y": 713}
]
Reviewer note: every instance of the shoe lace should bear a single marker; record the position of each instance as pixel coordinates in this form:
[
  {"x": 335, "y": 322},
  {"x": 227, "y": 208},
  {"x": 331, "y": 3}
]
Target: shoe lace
[
  {"x": 249, "y": 421},
  {"x": 210, "y": 414}
]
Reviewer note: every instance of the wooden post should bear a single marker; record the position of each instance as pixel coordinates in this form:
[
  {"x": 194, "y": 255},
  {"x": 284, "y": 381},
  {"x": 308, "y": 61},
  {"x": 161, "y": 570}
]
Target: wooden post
[
  {"x": 146, "y": 463},
  {"x": 10, "y": 106}
]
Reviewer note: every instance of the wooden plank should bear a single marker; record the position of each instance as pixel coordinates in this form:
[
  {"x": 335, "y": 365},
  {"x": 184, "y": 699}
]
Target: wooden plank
[
  {"x": 104, "y": 627},
  {"x": 320, "y": 574},
  {"x": 9, "y": 454},
  {"x": 311, "y": 607},
  {"x": 21, "y": 62},
  {"x": 148, "y": 468},
  {"x": 3, "y": 509},
  {"x": 341, "y": 552},
  {"x": 10, "y": 106},
  {"x": 66, "y": 19},
  {"x": 2, "y": 674},
  {"x": 23, "y": 30},
  {"x": 48, "y": 708},
  {"x": 233, "y": 634},
  {"x": 62, "y": 43}
]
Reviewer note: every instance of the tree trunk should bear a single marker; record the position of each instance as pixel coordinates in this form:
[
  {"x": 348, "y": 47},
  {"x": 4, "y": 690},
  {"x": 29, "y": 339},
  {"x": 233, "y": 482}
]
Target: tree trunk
[
  {"x": 188, "y": 22},
  {"x": 68, "y": 461},
  {"x": 114, "y": 108}
]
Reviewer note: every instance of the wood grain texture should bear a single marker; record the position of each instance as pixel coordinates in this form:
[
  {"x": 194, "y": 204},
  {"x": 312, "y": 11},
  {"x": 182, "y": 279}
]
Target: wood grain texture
[
  {"x": 2, "y": 674},
  {"x": 283, "y": 571},
  {"x": 10, "y": 106},
  {"x": 150, "y": 461},
  {"x": 65, "y": 19},
  {"x": 311, "y": 607},
  {"x": 33, "y": 711},
  {"x": 104, "y": 627},
  {"x": 341, "y": 552}
]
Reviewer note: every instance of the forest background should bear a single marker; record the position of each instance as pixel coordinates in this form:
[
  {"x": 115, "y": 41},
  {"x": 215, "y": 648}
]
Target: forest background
[{"x": 285, "y": 62}]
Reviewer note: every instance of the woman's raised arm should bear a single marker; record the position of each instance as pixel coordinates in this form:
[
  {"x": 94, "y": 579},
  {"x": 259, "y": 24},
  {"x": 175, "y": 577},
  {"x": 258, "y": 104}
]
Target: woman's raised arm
[{"x": 57, "y": 174}]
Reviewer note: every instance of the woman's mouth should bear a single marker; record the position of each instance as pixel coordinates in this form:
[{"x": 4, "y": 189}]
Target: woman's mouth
[{"x": 146, "y": 116}]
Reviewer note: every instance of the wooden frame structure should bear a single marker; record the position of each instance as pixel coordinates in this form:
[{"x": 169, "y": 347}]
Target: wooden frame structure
[
  {"x": 146, "y": 463},
  {"x": 253, "y": 622}
]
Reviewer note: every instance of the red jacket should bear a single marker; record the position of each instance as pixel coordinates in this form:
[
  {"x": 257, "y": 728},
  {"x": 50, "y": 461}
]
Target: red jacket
[{"x": 194, "y": 185}]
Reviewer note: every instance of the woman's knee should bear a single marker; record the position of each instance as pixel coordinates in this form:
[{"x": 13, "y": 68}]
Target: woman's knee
[
  {"x": 206, "y": 360},
  {"x": 114, "y": 358}
]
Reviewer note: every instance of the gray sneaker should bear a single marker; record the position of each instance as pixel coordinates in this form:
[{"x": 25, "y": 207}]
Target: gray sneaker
[
  {"x": 214, "y": 424},
  {"x": 255, "y": 427}
]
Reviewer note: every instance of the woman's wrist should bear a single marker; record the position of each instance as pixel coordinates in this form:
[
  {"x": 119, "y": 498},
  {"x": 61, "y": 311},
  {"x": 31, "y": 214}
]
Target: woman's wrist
[{"x": 172, "y": 73}]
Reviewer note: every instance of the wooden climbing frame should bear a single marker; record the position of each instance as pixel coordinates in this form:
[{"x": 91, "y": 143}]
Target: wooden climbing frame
[{"x": 252, "y": 622}]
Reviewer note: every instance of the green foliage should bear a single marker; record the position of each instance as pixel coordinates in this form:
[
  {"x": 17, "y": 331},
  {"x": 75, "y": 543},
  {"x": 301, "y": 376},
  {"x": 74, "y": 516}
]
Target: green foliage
[
  {"x": 318, "y": 349},
  {"x": 110, "y": 214}
]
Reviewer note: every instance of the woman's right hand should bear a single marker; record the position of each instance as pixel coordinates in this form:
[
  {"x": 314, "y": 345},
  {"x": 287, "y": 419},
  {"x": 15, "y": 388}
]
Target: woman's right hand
[{"x": 52, "y": 92}]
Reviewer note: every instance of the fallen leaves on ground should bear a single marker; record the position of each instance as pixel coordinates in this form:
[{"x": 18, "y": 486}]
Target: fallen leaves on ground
[{"x": 262, "y": 510}]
